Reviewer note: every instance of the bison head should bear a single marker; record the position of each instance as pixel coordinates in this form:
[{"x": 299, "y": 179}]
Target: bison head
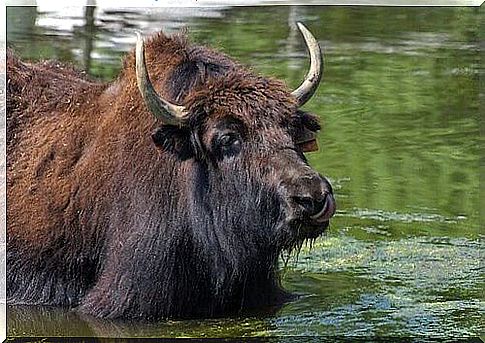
[{"x": 247, "y": 133}]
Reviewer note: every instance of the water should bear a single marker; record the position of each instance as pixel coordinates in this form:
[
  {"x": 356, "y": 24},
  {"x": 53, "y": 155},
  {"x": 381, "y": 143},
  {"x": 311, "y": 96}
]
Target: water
[{"x": 401, "y": 145}]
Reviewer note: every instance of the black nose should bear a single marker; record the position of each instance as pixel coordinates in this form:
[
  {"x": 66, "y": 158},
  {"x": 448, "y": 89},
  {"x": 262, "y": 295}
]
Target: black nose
[
  {"x": 311, "y": 206},
  {"x": 320, "y": 208}
]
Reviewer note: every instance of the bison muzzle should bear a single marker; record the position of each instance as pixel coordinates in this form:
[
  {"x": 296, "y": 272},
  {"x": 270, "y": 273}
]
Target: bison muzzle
[{"x": 167, "y": 193}]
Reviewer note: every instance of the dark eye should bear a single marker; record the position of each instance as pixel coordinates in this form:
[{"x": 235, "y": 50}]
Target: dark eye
[
  {"x": 229, "y": 144},
  {"x": 227, "y": 140}
]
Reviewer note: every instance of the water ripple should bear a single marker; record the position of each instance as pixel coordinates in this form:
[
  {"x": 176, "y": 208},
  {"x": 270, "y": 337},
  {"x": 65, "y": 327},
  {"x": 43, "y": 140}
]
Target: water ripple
[{"x": 382, "y": 215}]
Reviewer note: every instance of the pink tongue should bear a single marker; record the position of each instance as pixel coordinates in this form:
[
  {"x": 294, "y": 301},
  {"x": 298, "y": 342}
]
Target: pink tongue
[{"x": 328, "y": 210}]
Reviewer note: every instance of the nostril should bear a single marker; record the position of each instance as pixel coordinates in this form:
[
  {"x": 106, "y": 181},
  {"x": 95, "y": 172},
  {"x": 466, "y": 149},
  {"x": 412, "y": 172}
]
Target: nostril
[
  {"x": 310, "y": 205},
  {"x": 305, "y": 202},
  {"x": 318, "y": 206}
]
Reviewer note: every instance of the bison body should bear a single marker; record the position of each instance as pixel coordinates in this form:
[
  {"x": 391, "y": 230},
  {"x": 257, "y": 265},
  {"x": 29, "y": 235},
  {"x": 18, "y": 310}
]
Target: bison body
[{"x": 121, "y": 214}]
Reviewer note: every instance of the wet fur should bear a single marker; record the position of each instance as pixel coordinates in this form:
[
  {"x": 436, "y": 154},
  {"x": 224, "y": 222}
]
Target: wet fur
[{"x": 102, "y": 220}]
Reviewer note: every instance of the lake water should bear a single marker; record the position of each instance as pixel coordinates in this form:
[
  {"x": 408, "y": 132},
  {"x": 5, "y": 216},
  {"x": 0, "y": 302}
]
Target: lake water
[{"x": 401, "y": 145}]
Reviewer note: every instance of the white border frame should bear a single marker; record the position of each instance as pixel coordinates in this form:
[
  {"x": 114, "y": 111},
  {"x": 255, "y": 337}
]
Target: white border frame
[{"x": 147, "y": 3}]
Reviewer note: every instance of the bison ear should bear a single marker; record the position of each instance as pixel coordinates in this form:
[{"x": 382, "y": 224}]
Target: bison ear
[
  {"x": 310, "y": 121},
  {"x": 174, "y": 140},
  {"x": 305, "y": 136}
]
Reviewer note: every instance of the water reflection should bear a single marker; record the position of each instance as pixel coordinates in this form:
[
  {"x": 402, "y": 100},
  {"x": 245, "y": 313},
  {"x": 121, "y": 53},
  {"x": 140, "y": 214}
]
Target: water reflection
[
  {"x": 47, "y": 321},
  {"x": 399, "y": 103}
]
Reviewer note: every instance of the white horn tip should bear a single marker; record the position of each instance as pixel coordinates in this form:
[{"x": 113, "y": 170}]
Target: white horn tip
[{"x": 300, "y": 25}]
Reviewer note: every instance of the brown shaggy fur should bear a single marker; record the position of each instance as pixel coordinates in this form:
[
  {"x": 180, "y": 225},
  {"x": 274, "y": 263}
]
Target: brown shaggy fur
[{"x": 83, "y": 174}]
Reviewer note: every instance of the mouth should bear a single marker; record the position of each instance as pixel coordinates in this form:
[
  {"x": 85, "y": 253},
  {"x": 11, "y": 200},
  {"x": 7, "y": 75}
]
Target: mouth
[
  {"x": 313, "y": 226},
  {"x": 327, "y": 211},
  {"x": 298, "y": 230},
  {"x": 304, "y": 229}
]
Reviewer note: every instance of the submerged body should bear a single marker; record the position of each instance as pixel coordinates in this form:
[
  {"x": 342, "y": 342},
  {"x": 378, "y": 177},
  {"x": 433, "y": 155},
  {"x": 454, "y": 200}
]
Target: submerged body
[{"x": 122, "y": 215}]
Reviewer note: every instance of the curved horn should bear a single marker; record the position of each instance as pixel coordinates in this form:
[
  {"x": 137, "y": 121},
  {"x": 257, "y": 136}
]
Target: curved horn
[
  {"x": 170, "y": 114},
  {"x": 314, "y": 75}
]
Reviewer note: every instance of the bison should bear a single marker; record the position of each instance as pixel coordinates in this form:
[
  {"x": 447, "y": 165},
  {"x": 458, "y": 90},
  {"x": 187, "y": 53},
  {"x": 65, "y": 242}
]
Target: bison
[{"x": 169, "y": 192}]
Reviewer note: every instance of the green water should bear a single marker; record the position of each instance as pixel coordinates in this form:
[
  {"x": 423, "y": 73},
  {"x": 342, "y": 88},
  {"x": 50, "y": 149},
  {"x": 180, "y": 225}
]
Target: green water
[{"x": 401, "y": 145}]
